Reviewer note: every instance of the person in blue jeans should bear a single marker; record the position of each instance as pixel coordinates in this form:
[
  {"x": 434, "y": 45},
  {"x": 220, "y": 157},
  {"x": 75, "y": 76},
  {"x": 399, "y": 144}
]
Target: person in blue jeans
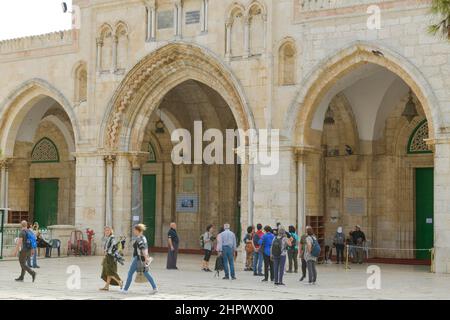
[
  {"x": 258, "y": 252},
  {"x": 141, "y": 259},
  {"x": 278, "y": 252},
  {"x": 266, "y": 246},
  {"x": 227, "y": 247}
]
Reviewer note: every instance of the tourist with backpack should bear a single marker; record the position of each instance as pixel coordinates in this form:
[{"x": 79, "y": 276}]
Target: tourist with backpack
[
  {"x": 206, "y": 242},
  {"x": 32, "y": 259},
  {"x": 24, "y": 248},
  {"x": 248, "y": 241},
  {"x": 312, "y": 252},
  {"x": 257, "y": 253},
  {"x": 339, "y": 243},
  {"x": 279, "y": 249},
  {"x": 266, "y": 245},
  {"x": 293, "y": 250}
]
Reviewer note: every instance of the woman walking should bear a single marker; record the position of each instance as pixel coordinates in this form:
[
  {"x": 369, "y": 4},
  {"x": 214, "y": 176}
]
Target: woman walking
[
  {"x": 141, "y": 259},
  {"x": 109, "y": 270},
  {"x": 207, "y": 244}
]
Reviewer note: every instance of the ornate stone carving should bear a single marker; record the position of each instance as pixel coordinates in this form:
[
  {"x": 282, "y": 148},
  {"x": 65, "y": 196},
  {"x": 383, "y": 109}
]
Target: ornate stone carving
[
  {"x": 45, "y": 151},
  {"x": 152, "y": 71},
  {"x": 417, "y": 142}
]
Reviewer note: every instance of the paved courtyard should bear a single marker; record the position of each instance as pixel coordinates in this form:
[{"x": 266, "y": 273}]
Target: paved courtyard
[{"x": 397, "y": 282}]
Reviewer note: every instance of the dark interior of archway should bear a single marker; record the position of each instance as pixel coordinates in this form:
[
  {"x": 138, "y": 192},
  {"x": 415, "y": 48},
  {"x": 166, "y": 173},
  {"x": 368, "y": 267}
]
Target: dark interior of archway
[{"x": 217, "y": 186}]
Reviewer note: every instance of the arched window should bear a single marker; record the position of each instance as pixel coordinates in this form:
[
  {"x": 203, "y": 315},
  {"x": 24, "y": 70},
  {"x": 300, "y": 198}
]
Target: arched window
[
  {"x": 105, "y": 48},
  {"x": 44, "y": 151},
  {"x": 121, "y": 39},
  {"x": 81, "y": 80},
  {"x": 152, "y": 153},
  {"x": 417, "y": 143},
  {"x": 256, "y": 29},
  {"x": 287, "y": 65},
  {"x": 237, "y": 32}
]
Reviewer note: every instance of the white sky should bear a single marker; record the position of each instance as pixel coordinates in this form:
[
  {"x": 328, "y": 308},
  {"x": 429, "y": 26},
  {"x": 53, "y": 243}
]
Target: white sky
[{"x": 19, "y": 18}]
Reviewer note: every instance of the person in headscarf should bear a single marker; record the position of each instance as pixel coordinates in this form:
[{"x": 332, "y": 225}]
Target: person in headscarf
[
  {"x": 339, "y": 243},
  {"x": 109, "y": 270}
]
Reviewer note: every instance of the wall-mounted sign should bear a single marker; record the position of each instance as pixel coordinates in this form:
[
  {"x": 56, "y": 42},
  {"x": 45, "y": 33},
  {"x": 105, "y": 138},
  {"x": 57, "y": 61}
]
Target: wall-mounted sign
[
  {"x": 356, "y": 206},
  {"x": 187, "y": 203}
]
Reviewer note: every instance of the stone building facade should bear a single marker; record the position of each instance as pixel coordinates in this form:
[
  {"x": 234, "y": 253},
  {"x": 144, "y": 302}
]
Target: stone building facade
[{"x": 86, "y": 115}]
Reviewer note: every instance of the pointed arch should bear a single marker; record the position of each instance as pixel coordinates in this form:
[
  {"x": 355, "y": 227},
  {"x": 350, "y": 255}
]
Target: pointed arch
[
  {"x": 80, "y": 76},
  {"x": 17, "y": 105},
  {"x": 153, "y": 77},
  {"x": 325, "y": 74},
  {"x": 287, "y": 62}
]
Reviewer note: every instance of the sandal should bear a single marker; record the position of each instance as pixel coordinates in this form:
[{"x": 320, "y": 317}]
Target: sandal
[{"x": 104, "y": 289}]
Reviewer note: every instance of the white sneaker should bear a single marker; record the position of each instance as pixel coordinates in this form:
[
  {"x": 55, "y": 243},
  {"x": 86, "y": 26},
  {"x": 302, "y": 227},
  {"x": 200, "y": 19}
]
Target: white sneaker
[
  {"x": 154, "y": 291},
  {"x": 123, "y": 291}
]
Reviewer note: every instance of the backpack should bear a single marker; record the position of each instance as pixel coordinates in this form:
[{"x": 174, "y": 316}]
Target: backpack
[
  {"x": 276, "y": 247},
  {"x": 30, "y": 242},
  {"x": 256, "y": 240},
  {"x": 315, "y": 250}
]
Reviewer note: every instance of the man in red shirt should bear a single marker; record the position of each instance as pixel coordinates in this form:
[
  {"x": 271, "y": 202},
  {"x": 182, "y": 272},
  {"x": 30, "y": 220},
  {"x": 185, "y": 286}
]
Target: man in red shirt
[{"x": 257, "y": 254}]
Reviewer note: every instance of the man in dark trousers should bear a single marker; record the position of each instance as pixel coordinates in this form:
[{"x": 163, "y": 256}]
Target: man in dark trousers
[
  {"x": 173, "y": 242},
  {"x": 359, "y": 239},
  {"x": 24, "y": 251}
]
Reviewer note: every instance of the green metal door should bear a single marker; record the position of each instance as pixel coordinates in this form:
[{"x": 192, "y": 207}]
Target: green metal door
[
  {"x": 424, "y": 211},
  {"x": 45, "y": 202},
  {"x": 149, "y": 206}
]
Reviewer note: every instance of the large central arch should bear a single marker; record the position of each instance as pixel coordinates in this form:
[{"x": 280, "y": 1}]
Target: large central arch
[{"x": 152, "y": 78}]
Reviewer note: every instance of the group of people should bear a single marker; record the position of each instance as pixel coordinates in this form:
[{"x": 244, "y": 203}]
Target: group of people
[
  {"x": 141, "y": 260},
  {"x": 264, "y": 246},
  {"x": 268, "y": 247},
  {"x": 273, "y": 247},
  {"x": 27, "y": 245}
]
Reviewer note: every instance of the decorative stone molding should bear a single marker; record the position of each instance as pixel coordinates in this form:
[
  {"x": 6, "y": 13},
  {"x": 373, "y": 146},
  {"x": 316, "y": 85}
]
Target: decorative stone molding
[{"x": 157, "y": 74}]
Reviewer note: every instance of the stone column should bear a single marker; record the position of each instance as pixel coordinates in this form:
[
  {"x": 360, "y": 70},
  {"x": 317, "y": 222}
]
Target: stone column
[
  {"x": 151, "y": 20},
  {"x": 4, "y": 163},
  {"x": 114, "y": 53},
  {"x": 204, "y": 13},
  {"x": 228, "y": 26},
  {"x": 178, "y": 17},
  {"x": 99, "y": 54},
  {"x": 136, "y": 192},
  {"x": 109, "y": 164},
  {"x": 441, "y": 206},
  {"x": 301, "y": 158},
  {"x": 247, "y": 37}
]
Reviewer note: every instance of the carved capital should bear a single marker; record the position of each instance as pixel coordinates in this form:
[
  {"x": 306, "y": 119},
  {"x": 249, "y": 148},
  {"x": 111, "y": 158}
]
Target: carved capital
[
  {"x": 136, "y": 160},
  {"x": 5, "y": 163},
  {"x": 109, "y": 159}
]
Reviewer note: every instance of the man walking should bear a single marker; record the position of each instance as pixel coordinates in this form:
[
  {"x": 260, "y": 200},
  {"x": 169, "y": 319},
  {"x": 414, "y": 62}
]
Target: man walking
[
  {"x": 227, "y": 247},
  {"x": 173, "y": 242},
  {"x": 257, "y": 253},
  {"x": 24, "y": 248}
]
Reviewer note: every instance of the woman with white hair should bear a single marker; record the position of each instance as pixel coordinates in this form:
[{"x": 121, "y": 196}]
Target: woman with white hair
[{"x": 339, "y": 243}]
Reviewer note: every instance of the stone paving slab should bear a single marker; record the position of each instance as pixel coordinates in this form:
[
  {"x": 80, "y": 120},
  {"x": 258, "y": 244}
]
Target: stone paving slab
[{"x": 334, "y": 282}]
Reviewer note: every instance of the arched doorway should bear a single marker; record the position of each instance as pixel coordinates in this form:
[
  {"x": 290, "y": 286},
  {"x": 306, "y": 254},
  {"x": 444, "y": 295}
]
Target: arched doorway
[
  {"x": 352, "y": 134},
  {"x": 38, "y": 167},
  {"x": 171, "y": 89}
]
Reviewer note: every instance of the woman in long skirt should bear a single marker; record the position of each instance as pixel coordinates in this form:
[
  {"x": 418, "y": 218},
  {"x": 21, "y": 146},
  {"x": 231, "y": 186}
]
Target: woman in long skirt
[
  {"x": 141, "y": 259},
  {"x": 109, "y": 270}
]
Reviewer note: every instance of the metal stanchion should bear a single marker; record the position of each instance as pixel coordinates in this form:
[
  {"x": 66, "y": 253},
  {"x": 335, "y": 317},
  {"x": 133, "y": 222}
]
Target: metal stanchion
[{"x": 346, "y": 258}]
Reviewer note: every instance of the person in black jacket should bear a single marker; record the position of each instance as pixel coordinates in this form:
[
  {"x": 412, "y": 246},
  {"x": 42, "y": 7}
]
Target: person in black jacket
[{"x": 359, "y": 238}]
